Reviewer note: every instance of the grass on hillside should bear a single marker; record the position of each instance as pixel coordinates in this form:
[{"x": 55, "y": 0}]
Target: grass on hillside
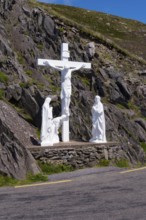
[
  {"x": 3, "y": 77},
  {"x": 125, "y": 35},
  {"x": 2, "y": 94},
  {"x": 143, "y": 146}
]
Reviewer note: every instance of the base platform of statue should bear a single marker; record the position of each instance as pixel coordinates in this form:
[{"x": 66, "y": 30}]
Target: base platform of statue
[
  {"x": 78, "y": 154},
  {"x": 70, "y": 144}
]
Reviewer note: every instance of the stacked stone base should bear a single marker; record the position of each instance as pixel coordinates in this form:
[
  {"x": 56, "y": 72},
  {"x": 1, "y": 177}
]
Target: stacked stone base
[{"x": 78, "y": 155}]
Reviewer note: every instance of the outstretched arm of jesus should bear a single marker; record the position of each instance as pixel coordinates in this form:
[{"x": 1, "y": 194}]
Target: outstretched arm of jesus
[
  {"x": 78, "y": 67},
  {"x": 53, "y": 66}
]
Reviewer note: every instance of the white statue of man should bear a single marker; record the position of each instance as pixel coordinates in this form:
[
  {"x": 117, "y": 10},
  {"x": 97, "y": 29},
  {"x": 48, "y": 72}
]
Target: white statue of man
[
  {"x": 65, "y": 95},
  {"x": 98, "y": 122},
  {"x": 66, "y": 88}
]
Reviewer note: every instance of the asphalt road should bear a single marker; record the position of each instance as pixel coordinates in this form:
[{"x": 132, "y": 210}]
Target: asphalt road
[{"x": 90, "y": 194}]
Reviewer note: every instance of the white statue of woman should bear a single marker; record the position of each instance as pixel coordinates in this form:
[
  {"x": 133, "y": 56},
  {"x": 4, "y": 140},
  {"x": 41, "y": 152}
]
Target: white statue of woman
[
  {"x": 98, "y": 122},
  {"x": 50, "y": 126},
  {"x": 46, "y": 128}
]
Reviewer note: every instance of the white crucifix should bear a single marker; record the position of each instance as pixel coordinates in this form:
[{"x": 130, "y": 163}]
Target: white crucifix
[{"x": 66, "y": 67}]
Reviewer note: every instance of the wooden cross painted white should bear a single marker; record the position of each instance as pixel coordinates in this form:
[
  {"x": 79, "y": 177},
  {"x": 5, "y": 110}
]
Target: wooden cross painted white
[{"x": 66, "y": 67}]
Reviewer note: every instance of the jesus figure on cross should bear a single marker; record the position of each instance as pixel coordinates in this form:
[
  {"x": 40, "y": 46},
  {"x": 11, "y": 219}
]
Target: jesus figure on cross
[
  {"x": 66, "y": 88},
  {"x": 66, "y": 67}
]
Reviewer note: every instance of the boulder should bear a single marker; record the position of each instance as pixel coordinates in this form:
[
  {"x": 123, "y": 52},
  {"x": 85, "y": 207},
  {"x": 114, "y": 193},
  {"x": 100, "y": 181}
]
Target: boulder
[
  {"x": 14, "y": 91},
  {"x": 91, "y": 50},
  {"x": 15, "y": 136},
  {"x": 5, "y": 5},
  {"x": 29, "y": 103},
  {"x": 49, "y": 26},
  {"x": 11, "y": 121},
  {"x": 124, "y": 89},
  {"x": 5, "y": 49},
  {"x": 15, "y": 160}
]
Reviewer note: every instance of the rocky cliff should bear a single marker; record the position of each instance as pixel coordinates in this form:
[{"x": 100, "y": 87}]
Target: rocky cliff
[
  {"x": 15, "y": 134},
  {"x": 29, "y": 30}
]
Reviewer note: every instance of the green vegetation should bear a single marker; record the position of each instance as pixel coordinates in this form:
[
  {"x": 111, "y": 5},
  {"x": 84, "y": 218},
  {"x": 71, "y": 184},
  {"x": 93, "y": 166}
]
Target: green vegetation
[
  {"x": 120, "y": 106},
  {"x": 29, "y": 72},
  {"x": 122, "y": 163},
  {"x": 9, "y": 181},
  {"x": 41, "y": 177},
  {"x": 40, "y": 85},
  {"x": 20, "y": 59},
  {"x": 54, "y": 88},
  {"x": 31, "y": 82},
  {"x": 103, "y": 163},
  {"x": 40, "y": 47},
  {"x": 85, "y": 81},
  {"x": 125, "y": 35},
  {"x": 23, "y": 113},
  {"x": 33, "y": 179},
  {"x": 3, "y": 77},
  {"x": 1, "y": 94},
  {"x": 133, "y": 106},
  {"x": 61, "y": 29},
  {"x": 27, "y": 84},
  {"x": 143, "y": 146},
  {"x": 38, "y": 132},
  {"x": 48, "y": 168}
]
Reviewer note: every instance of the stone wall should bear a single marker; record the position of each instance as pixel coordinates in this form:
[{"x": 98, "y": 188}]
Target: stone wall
[{"x": 83, "y": 155}]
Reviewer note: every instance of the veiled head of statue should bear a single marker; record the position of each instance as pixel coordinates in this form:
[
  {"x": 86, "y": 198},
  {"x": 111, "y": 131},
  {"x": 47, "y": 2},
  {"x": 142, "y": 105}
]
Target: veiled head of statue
[
  {"x": 48, "y": 99},
  {"x": 97, "y": 99}
]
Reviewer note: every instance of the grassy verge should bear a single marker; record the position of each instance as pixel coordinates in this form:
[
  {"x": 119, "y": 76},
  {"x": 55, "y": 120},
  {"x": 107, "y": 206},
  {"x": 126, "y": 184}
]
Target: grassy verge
[
  {"x": 9, "y": 181},
  {"x": 41, "y": 177},
  {"x": 122, "y": 163},
  {"x": 103, "y": 163},
  {"x": 48, "y": 168}
]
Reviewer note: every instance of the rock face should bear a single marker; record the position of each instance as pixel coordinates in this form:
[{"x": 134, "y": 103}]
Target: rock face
[
  {"x": 28, "y": 32},
  {"x": 5, "y": 5},
  {"x": 10, "y": 120},
  {"x": 15, "y": 160}
]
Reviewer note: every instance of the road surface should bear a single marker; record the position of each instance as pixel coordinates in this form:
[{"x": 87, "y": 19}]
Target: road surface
[{"x": 89, "y": 194}]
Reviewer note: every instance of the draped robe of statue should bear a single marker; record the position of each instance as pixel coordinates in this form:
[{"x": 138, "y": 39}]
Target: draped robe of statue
[
  {"x": 46, "y": 128},
  {"x": 50, "y": 125},
  {"x": 98, "y": 122}
]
